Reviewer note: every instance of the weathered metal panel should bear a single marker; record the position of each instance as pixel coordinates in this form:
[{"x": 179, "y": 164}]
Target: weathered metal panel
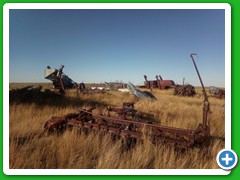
[{"x": 138, "y": 93}]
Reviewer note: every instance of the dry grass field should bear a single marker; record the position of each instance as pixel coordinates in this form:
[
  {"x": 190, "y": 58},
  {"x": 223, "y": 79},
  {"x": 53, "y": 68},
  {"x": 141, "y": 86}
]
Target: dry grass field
[{"x": 74, "y": 150}]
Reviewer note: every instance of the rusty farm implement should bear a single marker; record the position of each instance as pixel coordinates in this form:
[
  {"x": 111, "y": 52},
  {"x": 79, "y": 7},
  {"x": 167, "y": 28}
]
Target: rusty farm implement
[
  {"x": 60, "y": 81},
  {"x": 128, "y": 124},
  {"x": 158, "y": 83}
]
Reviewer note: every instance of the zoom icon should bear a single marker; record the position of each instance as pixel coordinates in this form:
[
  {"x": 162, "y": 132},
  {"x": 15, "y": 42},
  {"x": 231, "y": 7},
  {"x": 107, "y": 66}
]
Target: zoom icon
[{"x": 227, "y": 159}]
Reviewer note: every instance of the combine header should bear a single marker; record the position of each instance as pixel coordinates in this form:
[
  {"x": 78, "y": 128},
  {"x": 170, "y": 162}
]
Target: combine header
[{"x": 126, "y": 123}]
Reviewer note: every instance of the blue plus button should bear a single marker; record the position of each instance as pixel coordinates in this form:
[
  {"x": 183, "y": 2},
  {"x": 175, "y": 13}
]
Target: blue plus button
[{"x": 227, "y": 159}]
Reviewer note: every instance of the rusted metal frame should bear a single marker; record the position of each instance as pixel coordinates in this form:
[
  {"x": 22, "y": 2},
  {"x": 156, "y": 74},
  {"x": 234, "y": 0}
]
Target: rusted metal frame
[
  {"x": 126, "y": 109},
  {"x": 138, "y": 124},
  {"x": 176, "y": 132},
  {"x": 105, "y": 128},
  {"x": 179, "y": 137},
  {"x": 175, "y": 135}
]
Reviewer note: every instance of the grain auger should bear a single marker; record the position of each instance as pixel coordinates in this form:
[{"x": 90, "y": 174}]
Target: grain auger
[{"x": 122, "y": 125}]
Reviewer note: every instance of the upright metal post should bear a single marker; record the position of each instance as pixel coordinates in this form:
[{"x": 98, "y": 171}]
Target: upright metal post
[{"x": 206, "y": 103}]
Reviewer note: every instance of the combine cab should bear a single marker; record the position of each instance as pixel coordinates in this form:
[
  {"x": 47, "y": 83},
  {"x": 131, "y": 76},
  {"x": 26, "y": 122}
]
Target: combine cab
[{"x": 59, "y": 79}]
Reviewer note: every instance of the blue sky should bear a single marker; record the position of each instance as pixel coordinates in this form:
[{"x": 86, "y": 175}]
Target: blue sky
[{"x": 123, "y": 45}]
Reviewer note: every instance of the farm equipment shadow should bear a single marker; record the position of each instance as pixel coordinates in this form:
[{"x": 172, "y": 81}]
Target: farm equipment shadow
[{"x": 43, "y": 98}]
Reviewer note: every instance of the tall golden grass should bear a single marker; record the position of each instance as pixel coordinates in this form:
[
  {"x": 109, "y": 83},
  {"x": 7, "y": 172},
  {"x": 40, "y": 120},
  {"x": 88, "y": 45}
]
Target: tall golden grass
[{"x": 74, "y": 149}]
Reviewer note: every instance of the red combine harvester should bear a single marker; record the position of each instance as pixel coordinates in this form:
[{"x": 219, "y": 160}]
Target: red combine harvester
[{"x": 158, "y": 83}]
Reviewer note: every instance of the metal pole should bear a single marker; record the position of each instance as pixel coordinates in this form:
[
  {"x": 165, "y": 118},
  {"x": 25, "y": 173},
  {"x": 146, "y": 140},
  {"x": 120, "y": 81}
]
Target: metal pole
[{"x": 206, "y": 103}]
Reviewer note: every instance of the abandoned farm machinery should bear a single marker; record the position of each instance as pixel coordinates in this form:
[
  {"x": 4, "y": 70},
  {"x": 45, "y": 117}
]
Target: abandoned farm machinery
[{"x": 125, "y": 122}]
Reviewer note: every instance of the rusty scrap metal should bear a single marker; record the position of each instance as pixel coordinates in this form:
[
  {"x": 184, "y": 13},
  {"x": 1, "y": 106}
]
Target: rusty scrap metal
[
  {"x": 86, "y": 120},
  {"x": 140, "y": 94},
  {"x": 122, "y": 126},
  {"x": 125, "y": 111},
  {"x": 158, "y": 83},
  {"x": 217, "y": 92},
  {"x": 61, "y": 82},
  {"x": 184, "y": 90},
  {"x": 116, "y": 85},
  {"x": 93, "y": 89}
]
